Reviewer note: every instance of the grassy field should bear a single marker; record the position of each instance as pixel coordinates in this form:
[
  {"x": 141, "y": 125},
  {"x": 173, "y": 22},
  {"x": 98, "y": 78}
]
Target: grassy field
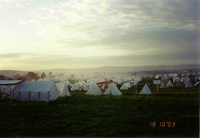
[{"x": 128, "y": 115}]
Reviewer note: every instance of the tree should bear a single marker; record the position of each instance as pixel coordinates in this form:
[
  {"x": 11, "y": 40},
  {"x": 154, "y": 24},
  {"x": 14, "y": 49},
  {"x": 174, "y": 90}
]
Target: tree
[
  {"x": 2, "y": 77},
  {"x": 31, "y": 76},
  {"x": 50, "y": 74},
  {"x": 17, "y": 77},
  {"x": 43, "y": 75},
  {"x": 72, "y": 75}
]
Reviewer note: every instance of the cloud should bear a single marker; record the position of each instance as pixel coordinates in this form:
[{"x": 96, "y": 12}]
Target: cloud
[
  {"x": 33, "y": 21},
  {"x": 5, "y": 4},
  {"x": 112, "y": 32},
  {"x": 10, "y": 55},
  {"x": 22, "y": 22}
]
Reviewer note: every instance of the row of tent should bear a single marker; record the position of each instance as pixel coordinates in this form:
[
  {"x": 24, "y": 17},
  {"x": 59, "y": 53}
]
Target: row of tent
[
  {"x": 49, "y": 90},
  {"x": 85, "y": 86},
  {"x": 113, "y": 90},
  {"x": 165, "y": 84},
  {"x": 36, "y": 91}
]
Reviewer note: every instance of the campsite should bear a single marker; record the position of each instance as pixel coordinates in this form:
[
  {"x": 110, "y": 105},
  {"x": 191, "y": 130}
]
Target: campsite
[
  {"x": 125, "y": 115},
  {"x": 99, "y": 68}
]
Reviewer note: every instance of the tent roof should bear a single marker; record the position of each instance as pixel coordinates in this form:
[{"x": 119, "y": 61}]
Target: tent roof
[
  {"x": 145, "y": 90},
  {"x": 94, "y": 90},
  {"x": 35, "y": 86},
  {"x": 169, "y": 84},
  {"x": 60, "y": 86},
  {"x": 179, "y": 83},
  {"x": 189, "y": 85},
  {"x": 163, "y": 85},
  {"x": 124, "y": 87},
  {"x": 112, "y": 89},
  {"x": 10, "y": 82}
]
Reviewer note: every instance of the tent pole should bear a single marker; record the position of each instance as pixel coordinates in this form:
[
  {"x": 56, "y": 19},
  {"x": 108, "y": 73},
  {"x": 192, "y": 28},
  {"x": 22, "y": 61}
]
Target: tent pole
[
  {"x": 13, "y": 95},
  {"x": 29, "y": 95},
  {"x": 38, "y": 96},
  {"x": 19, "y": 95},
  {"x": 48, "y": 96},
  {"x": 10, "y": 95}
]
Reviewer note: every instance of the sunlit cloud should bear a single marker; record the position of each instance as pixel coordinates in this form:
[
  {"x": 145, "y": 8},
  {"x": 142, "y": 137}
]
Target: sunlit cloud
[{"x": 139, "y": 32}]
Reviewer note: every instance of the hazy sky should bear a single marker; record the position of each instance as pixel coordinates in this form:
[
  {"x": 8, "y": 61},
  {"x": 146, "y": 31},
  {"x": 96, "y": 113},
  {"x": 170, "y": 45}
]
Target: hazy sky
[{"x": 45, "y": 34}]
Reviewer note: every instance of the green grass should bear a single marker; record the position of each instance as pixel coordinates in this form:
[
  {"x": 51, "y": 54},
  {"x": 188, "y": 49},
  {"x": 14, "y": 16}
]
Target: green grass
[{"x": 127, "y": 115}]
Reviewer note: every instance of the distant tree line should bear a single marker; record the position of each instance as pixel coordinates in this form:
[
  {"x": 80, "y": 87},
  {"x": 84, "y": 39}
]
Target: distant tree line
[
  {"x": 27, "y": 77},
  {"x": 2, "y": 77},
  {"x": 30, "y": 76}
]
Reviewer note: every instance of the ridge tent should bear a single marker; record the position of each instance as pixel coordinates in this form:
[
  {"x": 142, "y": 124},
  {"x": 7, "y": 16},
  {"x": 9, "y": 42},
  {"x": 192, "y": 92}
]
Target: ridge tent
[
  {"x": 156, "y": 82},
  {"x": 6, "y": 89},
  {"x": 176, "y": 79},
  {"x": 128, "y": 85},
  {"x": 75, "y": 87},
  {"x": 113, "y": 90},
  {"x": 186, "y": 81},
  {"x": 94, "y": 90},
  {"x": 124, "y": 87},
  {"x": 85, "y": 87},
  {"x": 158, "y": 76},
  {"x": 145, "y": 90},
  {"x": 179, "y": 83},
  {"x": 169, "y": 84},
  {"x": 196, "y": 83},
  {"x": 183, "y": 79},
  {"x": 35, "y": 91},
  {"x": 163, "y": 85},
  {"x": 102, "y": 87},
  {"x": 189, "y": 85},
  {"x": 62, "y": 87},
  {"x": 163, "y": 80}
]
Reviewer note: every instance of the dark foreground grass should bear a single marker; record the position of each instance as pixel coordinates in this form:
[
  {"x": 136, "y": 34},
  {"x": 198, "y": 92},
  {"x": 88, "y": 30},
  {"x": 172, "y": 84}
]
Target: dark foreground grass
[{"x": 127, "y": 115}]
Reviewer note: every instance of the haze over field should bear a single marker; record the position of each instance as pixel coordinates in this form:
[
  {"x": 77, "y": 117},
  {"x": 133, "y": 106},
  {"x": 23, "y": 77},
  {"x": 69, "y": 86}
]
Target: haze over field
[{"x": 74, "y": 34}]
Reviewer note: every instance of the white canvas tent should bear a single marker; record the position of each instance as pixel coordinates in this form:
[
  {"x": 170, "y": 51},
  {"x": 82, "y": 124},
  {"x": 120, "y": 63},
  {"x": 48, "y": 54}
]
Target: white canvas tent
[
  {"x": 94, "y": 90},
  {"x": 169, "y": 84},
  {"x": 145, "y": 90},
  {"x": 6, "y": 89},
  {"x": 179, "y": 83},
  {"x": 183, "y": 79},
  {"x": 156, "y": 82},
  {"x": 196, "y": 83},
  {"x": 124, "y": 87},
  {"x": 113, "y": 90},
  {"x": 75, "y": 87},
  {"x": 176, "y": 79},
  {"x": 163, "y": 85},
  {"x": 35, "y": 91},
  {"x": 62, "y": 88},
  {"x": 189, "y": 85},
  {"x": 128, "y": 84},
  {"x": 102, "y": 87},
  {"x": 158, "y": 76},
  {"x": 85, "y": 87},
  {"x": 10, "y": 82}
]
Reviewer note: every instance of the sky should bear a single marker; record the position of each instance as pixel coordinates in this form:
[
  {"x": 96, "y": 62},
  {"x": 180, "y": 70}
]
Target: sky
[{"x": 72, "y": 34}]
